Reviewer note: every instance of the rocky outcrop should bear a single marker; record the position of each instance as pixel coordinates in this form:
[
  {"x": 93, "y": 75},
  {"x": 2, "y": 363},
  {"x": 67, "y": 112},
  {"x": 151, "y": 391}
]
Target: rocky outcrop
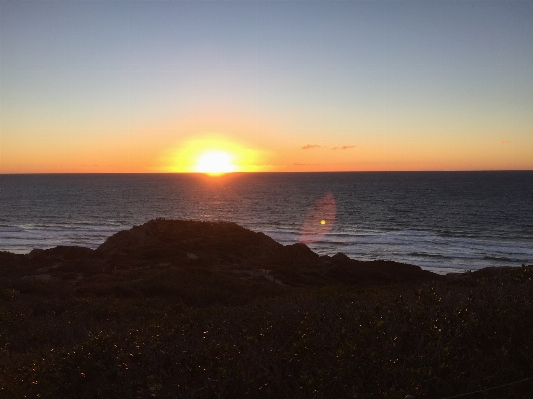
[
  {"x": 177, "y": 241},
  {"x": 355, "y": 272},
  {"x": 217, "y": 245}
]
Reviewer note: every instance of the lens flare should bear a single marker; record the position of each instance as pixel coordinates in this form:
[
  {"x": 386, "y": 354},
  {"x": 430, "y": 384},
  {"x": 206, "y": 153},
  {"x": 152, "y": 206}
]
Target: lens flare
[{"x": 319, "y": 220}]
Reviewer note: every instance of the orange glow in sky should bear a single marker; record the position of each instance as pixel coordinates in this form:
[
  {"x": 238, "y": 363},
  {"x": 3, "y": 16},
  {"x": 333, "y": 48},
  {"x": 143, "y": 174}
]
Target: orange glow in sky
[
  {"x": 213, "y": 154},
  {"x": 298, "y": 87}
]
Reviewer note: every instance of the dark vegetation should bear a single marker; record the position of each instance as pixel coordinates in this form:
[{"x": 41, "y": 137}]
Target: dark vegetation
[{"x": 211, "y": 310}]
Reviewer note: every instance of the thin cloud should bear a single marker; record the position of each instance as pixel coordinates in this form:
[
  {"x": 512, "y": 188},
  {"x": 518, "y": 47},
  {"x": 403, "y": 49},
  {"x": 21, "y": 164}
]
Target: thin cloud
[
  {"x": 310, "y": 146},
  {"x": 344, "y": 147},
  {"x": 505, "y": 141},
  {"x": 306, "y": 164}
]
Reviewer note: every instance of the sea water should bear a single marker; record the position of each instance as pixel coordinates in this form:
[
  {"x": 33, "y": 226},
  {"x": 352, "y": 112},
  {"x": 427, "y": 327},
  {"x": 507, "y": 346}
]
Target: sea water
[{"x": 441, "y": 221}]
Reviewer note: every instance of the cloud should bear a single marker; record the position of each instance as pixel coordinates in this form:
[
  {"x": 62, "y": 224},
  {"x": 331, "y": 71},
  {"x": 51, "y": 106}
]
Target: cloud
[
  {"x": 344, "y": 147},
  {"x": 505, "y": 141},
  {"x": 306, "y": 164},
  {"x": 310, "y": 146}
]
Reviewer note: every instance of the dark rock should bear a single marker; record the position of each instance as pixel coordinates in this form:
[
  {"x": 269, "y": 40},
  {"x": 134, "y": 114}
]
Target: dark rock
[
  {"x": 181, "y": 241},
  {"x": 502, "y": 274},
  {"x": 62, "y": 252},
  {"x": 296, "y": 255},
  {"x": 217, "y": 245},
  {"x": 352, "y": 272},
  {"x": 340, "y": 257},
  {"x": 8, "y": 259}
]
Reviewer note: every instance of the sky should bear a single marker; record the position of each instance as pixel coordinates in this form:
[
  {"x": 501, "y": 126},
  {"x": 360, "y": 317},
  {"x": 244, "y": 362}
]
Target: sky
[{"x": 150, "y": 86}]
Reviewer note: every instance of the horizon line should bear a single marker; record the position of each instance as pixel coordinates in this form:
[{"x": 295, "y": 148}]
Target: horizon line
[{"x": 268, "y": 172}]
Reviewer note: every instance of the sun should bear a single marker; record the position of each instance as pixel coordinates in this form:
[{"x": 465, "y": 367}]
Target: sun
[
  {"x": 215, "y": 163},
  {"x": 214, "y": 155}
]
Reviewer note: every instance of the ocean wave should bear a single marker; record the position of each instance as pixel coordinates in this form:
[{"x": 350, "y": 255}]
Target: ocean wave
[
  {"x": 428, "y": 255},
  {"x": 400, "y": 218},
  {"x": 501, "y": 258},
  {"x": 11, "y": 229}
]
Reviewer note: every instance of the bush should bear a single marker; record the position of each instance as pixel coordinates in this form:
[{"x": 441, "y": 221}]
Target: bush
[{"x": 429, "y": 341}]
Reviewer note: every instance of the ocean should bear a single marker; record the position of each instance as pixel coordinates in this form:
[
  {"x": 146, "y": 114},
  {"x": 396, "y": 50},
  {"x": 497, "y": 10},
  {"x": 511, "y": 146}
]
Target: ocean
[{"x": 441, "y": 221}]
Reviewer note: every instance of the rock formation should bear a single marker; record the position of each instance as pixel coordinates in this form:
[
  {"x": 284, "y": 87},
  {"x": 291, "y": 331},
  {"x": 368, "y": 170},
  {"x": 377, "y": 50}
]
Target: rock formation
[{"x": 217, "y": 245}]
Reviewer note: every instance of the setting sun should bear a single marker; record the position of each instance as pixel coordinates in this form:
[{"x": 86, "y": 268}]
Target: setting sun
[
  {"x": 212, "y": 154},
  {"x": 215, "y": 163}
]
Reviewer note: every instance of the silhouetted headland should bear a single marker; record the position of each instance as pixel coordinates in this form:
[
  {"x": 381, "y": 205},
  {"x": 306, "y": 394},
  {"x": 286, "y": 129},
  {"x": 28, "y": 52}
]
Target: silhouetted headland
[{"x": 221, "y": 246}]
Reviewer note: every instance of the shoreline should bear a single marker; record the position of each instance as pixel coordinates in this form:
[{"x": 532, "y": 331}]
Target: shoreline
[
  {"x": 175, "y": 243},
  {"x": 441, "y": 222},
  {"x": 439, "y": 263}
]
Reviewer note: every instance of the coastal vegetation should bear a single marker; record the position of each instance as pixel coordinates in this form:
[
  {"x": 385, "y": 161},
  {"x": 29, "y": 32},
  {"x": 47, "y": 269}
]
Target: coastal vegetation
[{"x": 149, "y": 322}]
